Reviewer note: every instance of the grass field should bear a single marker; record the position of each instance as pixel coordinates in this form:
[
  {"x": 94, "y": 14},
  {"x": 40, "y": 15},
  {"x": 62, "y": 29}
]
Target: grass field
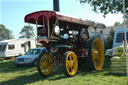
[{"x": 12, "y": 75}]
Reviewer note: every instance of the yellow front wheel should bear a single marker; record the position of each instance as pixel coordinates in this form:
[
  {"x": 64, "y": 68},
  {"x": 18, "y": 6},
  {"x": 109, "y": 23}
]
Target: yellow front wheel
[
  {"x": 45, "y": 64},
  {"x": 70, "y": 63}
]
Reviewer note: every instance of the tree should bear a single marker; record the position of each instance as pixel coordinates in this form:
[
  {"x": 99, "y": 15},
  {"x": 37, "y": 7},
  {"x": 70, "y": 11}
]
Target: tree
[
  {"x": 5, "y": 33},
  {"x": 127, "y": 21},
  {"x": 109, "y": 40},
  {"x": 27, "y": 32},
  {"x": 107, "y": 6},
  {"x": 117, "y": 24}
]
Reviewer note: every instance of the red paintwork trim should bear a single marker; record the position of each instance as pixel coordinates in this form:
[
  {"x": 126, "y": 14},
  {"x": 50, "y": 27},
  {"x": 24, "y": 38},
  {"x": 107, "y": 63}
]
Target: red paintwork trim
[
  {"x": 44, "y": 43},
  {"x": 33, "y": 17}
]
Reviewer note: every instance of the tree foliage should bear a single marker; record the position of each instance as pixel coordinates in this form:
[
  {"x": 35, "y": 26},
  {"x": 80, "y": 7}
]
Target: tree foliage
[
  {"x": 109, "y": 40},
  {"x": 117, "y": 24},
  {"x": 127, "y": 21},
  {"x": 27, "y": 32},
  {"x": 107, "y": 6},
  {"x": 5, "y": 33}
]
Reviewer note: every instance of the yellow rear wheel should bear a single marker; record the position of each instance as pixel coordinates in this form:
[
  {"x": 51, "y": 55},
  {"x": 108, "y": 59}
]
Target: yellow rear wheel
[
  {"x": 96, "y": 54},
  {"x": 45, "y": 64},
  {"x": 70, "y": 63}
]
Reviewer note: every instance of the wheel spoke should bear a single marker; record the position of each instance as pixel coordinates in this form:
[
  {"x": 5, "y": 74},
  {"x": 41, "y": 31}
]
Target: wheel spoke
[
  {"x": 94, "y": 56},
  {"x": 45, "y": 70},
  {"x": 69, "y": 64}
]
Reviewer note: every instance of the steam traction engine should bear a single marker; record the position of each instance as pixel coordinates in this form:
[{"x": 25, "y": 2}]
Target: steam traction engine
[{"x": 66, "y": 42}]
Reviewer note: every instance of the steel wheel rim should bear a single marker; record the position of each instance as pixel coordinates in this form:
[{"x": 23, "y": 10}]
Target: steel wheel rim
[
  {"x": 71, "y": 63},
  {"x": 46, "y": 64},
  {"x": 98, "y": 54}
]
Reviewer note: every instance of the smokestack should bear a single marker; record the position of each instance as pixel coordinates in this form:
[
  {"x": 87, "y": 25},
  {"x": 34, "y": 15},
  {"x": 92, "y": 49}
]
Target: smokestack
[{"x": 56, "y": 5}]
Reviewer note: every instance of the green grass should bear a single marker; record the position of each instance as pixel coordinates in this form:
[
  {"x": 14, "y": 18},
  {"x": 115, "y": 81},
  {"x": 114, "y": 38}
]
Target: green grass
[{"x": 12, "y": 75}]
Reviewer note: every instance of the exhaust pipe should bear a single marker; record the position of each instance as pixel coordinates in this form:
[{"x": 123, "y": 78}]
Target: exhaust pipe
[{"x": 56, "y": 5}]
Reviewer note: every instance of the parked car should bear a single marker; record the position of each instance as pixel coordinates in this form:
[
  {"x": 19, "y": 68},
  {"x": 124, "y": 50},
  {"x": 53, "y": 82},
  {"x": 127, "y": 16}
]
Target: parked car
[{"x": 30, "y": 58}]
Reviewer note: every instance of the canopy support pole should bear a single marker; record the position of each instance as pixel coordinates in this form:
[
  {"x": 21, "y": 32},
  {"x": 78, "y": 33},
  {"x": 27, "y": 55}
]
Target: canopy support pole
[
  {"x": 54, "y": 27},
  {"x": 33, "y": 35},
  {"x": 36, "y": 30},
  {"x": 125, "y": 27},
  {"x": 95, "y": 32}
]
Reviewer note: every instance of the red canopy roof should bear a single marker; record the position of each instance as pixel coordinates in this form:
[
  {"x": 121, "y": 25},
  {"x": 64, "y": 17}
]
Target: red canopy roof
[{"x": 38, "y": 16}]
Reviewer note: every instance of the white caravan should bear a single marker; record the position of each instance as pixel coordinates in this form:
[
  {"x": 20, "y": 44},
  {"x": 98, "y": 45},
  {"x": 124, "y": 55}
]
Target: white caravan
[
  {"x": 117, "y": 41},
  {"x": 119, "y": 37},
  {"x": 16, "y": 47}
]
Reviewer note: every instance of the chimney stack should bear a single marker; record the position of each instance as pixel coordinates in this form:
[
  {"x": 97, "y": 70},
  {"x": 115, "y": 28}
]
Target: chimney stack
[{"x": 56, "y": 5}]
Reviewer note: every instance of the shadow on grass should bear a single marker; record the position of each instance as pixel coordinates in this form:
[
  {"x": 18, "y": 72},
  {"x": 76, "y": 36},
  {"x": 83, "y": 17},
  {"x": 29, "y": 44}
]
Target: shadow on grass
[
  {"x": 57, "y": 74},
  {"x": 107, "y": 61},
  {"x": 21, "y": 80},
  {"x": 8, "y": 66},
  {"x": 105, "y": 71},
  {"x": 82, "y": 71},
  {"x": 118, "y": 75}
]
